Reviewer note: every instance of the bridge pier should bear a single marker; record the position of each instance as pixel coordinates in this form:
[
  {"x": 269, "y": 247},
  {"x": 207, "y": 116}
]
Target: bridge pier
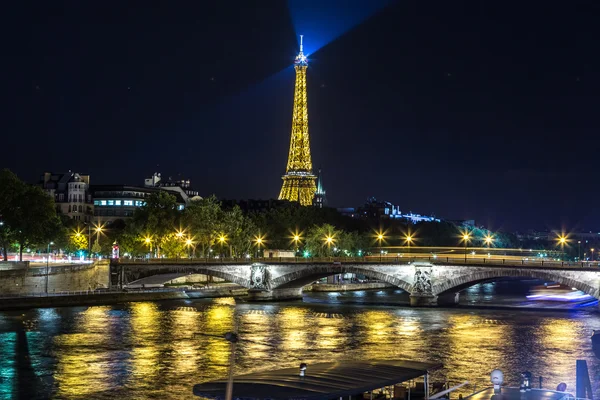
[
  {"x": 275, "y": 294},
  {"x": 423, "y": 300}
]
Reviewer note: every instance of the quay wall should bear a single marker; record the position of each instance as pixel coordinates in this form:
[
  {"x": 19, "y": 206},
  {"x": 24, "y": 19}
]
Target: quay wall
[
  {"x": 29, "y": 279},
  {"x": 16, "y": 303}
]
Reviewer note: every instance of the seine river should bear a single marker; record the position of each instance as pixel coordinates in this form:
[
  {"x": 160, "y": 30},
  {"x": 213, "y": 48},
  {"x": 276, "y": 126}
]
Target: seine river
[{"x": 161, "y": 349}]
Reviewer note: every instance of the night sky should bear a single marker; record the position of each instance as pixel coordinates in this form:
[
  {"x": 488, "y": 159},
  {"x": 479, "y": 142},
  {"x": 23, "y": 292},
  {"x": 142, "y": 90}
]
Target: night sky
[{"x": 486, "y": 110}]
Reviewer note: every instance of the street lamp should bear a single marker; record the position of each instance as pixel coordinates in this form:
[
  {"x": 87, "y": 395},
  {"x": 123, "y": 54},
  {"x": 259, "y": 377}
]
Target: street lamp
[
  {"x": 408, "y": 240},
  {"x": 189, "y": 242},
  {"x": 465, "y": 238},
  {"x": 380, "y": 237},
  {"x": 579, "y": 249},
  {"x": 148, "y": 241},
  {"x": 222, "y": 241},
  {"x": 592, "y": 250},
  {"x": 562, "y": 240},
  {"x": 259, "y": 240},
  {"x": 488, "y": 240},
  {"x": 47, "y": 262}
]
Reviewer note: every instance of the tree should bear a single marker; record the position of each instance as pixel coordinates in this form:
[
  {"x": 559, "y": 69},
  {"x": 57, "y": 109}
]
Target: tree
[
  {"x": 204, "y": 219},
  {"x": 34, "y": 221},
  {"x": 158, "y": 217},
  {"x": 321, "y": 240},
  {"x": 96, "y": 247},
  {"x": 12, "y": 191},
  {"x": 239, "y": 230}
]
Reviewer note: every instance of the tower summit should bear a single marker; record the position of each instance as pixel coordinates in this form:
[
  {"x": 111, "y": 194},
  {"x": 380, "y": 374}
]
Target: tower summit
[{"x": 299, "y": 181}]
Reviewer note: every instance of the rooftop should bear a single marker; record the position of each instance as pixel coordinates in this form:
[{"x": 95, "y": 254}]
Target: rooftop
[{"x": 322, "y": 381}]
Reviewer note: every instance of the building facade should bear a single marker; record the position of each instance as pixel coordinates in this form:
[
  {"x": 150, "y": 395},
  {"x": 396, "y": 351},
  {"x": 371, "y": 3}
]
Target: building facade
[
  {"x": 71, "y": 194},
  {"x": 112, "y": 202},
  {"x": 374, "y": 209}
]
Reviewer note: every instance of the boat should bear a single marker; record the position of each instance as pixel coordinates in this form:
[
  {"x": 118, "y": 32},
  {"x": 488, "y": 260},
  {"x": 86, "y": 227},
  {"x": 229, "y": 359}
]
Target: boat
[
  {"x": 557, "y": 292},
  {"x": 327, "y": 381},
  {"x": 375, "y": 379}
]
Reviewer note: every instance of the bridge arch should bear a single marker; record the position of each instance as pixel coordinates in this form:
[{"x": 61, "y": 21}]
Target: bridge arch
[
  {"x": 171, "y": 273},
  {"x": 457, "y": 283},
  {"x": 308, "y": 274}
]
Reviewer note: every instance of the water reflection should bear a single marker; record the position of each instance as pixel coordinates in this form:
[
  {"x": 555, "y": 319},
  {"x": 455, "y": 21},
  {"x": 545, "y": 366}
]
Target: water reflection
[
  {"x": 83, "y": 357},
  {"x": 159, "y": 350}
]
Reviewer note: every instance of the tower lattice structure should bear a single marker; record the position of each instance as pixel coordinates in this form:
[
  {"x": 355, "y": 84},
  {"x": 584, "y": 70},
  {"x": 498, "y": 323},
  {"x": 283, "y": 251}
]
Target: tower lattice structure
[{"x": 299, "y": 181}]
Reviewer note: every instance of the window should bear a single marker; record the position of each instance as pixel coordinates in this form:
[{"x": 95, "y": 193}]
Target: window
[
  {"x": 96, "y": 202},
  {"x": 102, "y": 202},
  {"x": 117, "y": 202},
  {"x": 80, "y": 208},
  {"x": 111, "y": 202},
  {"x": 180, "y": 207},
  {"x": 128, "y": 202},
  {"x": 61, "y": 197},
  {"x": 80, "y": 198},
  {"x": 138, "y": 203},
  {"x": 69, "y": 208}
]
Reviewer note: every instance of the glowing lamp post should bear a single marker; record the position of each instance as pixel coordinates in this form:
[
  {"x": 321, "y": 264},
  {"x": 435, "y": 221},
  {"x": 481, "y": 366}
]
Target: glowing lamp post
[
  {"x": 148, "y": 241},
  {"x": 259, "y": 241},
  {"x": 380, "y": 238},
  {"x": 47, "y": 262},
  {"x": 188, "y": 244},
  {"x": 466, "y": 237},
  {"x": 592, "y": 250},
  {"x": 222, "y": 242},
  {"x": 409, "y": 240},
  {"x": 562, "y": 240}
]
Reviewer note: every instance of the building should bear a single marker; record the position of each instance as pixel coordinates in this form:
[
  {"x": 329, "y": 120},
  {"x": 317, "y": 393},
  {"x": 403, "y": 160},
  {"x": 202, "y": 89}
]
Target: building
[
  {"x": 181, "y": 185},
  {"x": 375, "y": 210},
  {"x": 112, "y": 202},
  {"x": 320, "y": 199},
  {"x": 71, "y": 194}
]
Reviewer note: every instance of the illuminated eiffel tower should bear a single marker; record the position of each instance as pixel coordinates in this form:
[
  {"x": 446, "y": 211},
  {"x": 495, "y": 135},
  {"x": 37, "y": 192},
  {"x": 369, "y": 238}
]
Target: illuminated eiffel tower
[{"x": 299, "y": 181}]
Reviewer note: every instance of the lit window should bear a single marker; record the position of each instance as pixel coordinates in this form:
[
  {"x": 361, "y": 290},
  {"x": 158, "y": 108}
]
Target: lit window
[
  {"x": 96, "y": 202},
  {"x": 111, "y": 202},
  {"x": 102, "y": 202},
  {"x": 138, "y": 203},
  {"x": 128, "y": 202},
  {"x": 117, "y": 202},
  {"x": 180, "y": 207}
]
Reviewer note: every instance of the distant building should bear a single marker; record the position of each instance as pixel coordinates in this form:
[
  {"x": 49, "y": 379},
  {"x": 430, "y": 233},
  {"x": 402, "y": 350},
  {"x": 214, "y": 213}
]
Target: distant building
[
  {"x": 71, "y": 194},
  {"x": 374, "y": 209},
  {"x": 113, "y": 202},
  {"x": 320, "y": 199},
  {"x": 182, "y": 185}
]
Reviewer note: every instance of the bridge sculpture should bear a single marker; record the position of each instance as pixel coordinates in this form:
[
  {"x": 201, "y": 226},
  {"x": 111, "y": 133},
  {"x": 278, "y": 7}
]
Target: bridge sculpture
[{"x": 427, "y": 283}]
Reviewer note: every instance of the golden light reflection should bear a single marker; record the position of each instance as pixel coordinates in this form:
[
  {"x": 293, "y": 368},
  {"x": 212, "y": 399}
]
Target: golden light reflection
[
  {"x": 557, "y": 336},
  {"x": 328, "y": 335},
  {"x": 294, "y": 328},
  {"x": 219, "y": 319},
  {"x": 185, "y": 352},
  {"x": 146, "y": 331},
  {"x": 475, "y": 336},
  {"x": 81, "y": 370},
  {"x": 259, "y": 326}
]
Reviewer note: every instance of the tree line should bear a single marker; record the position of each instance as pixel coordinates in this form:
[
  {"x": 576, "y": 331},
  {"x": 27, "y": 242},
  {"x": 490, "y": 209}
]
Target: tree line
[{"x": 207, "y": 228}]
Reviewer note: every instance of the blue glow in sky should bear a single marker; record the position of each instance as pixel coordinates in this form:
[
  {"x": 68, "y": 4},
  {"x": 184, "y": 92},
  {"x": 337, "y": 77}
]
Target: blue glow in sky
[{"x": 321, "y": 22}]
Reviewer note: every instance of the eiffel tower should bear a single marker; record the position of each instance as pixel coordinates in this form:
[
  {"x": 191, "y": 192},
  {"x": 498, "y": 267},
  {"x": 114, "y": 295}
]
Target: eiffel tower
[{"x": 299, "y": 181}]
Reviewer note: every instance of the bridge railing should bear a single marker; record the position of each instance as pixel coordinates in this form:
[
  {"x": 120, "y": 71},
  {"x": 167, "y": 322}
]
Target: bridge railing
[{"x": 453, "y": 260}]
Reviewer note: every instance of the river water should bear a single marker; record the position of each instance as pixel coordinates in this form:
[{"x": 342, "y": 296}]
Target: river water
[{"x": 161, "y": 349}]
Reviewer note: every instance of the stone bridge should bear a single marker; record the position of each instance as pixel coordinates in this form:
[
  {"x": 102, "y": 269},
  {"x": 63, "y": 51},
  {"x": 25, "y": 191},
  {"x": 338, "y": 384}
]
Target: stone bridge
[{"x": 427, "y": 283}]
